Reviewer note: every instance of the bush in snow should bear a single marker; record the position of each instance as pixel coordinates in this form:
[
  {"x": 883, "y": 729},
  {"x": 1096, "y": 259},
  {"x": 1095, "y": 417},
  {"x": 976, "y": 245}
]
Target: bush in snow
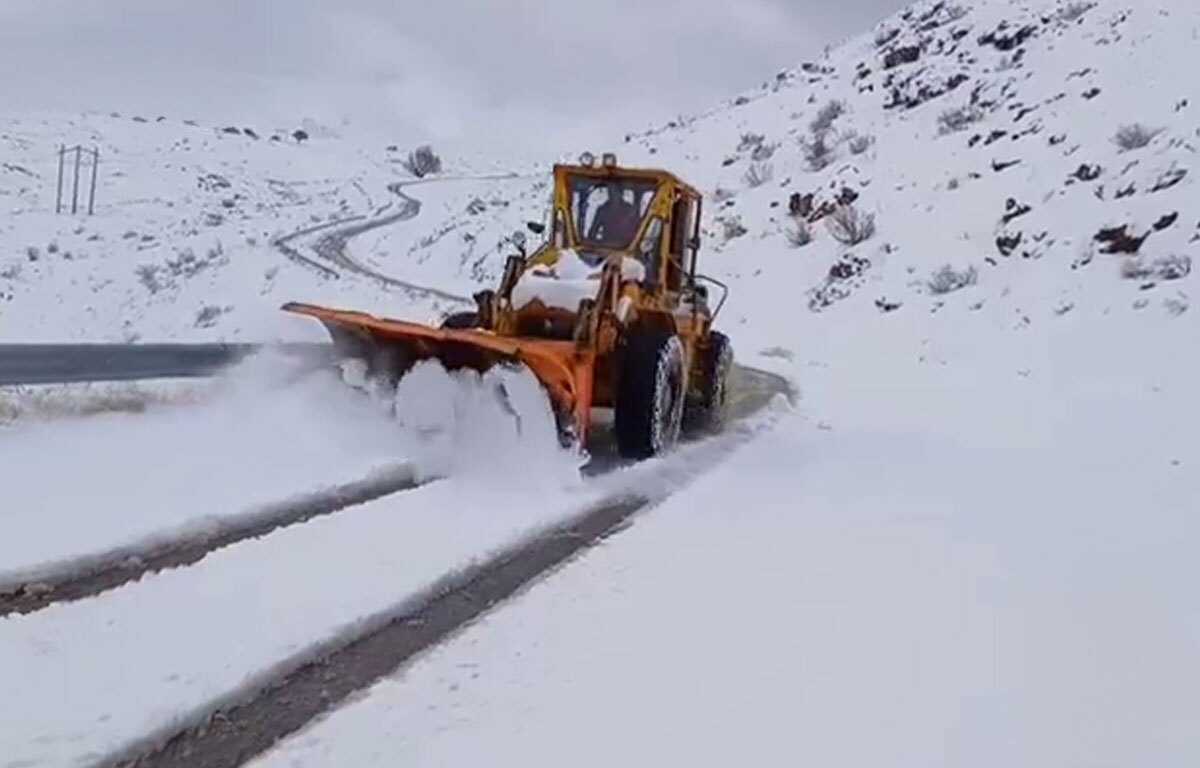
[
  {"x": 422, "y": 161},
  {"x": 859, "y": 144},
  {"x": 1135, "y": 136},
  {"x": 763, "y": 152},
  {"x": 750, "y": 141},
  {"x": 850, "y": 226},
  {"x": 954, "y": 120},
  {"x": 758, "y": 174},
  {"x": 209, "y": 314},
  {"x": 1176, "y": 305},
  {"x": 148, "y": 277},
  {"x": 948, "y": 280},
  {"x": 800, "y": 234},
  {"x": 1166, "y": 268},
  {"x": 827, "y": 115},
  {"x": 731, "y": 227},
  {"x": 818, "y": 152},
  {"x": 1073, "y": 11}
]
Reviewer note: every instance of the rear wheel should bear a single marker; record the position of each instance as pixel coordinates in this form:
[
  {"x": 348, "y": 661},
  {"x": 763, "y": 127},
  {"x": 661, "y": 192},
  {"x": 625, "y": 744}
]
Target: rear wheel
[
  {"x": 710, "y": 411},
  {"x": 649, "y": 403}
]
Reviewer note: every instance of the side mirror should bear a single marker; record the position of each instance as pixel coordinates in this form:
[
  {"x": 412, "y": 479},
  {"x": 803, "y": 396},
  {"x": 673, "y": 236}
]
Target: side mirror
[
  {"x": 536, "y": 227},
  {"x": 693, "y": 243}
]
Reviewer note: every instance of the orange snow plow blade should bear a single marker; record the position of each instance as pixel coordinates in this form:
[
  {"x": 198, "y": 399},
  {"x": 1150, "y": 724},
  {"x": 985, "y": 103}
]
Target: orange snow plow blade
[{"x": 562, "y": 367}]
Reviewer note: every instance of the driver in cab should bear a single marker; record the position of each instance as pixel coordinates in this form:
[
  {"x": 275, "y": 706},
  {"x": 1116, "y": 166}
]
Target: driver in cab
[{"x": 616, "y": 220}]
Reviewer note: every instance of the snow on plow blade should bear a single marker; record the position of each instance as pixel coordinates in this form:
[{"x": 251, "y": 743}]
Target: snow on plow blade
[{"x": 564, "y": 369}]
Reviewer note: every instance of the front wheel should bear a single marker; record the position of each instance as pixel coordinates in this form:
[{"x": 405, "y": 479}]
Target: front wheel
[
  {"x": 710, "y": 411},
  {"x": 649, "y": 403},
  {"x": 459, "y": 320}
]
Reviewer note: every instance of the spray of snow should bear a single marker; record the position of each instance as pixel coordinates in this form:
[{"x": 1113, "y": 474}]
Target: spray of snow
[{"x": 496, "y": 427}]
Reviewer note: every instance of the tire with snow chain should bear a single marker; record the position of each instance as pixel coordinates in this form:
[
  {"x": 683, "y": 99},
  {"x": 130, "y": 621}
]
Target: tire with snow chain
[
  {"x": 649, "y": 402},
  {"x": 710, "y": 412}
]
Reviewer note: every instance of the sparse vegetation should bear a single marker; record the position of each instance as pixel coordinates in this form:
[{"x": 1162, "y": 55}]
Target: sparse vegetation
[
  {"x": 758, "y": 174},
  {"x": 148, "y": 276},
  {"x": 948, "y": 280},
  {"x": 1073, "y": 11},
  {"x": 763, "y": 152},
  {"x": 827, "y": 115},
  {"x": 1171, "y": 267},
  {"x": 849, "y": 225},
  {"x": 185, "y": 265},
  {"x": 422, "y": 162},
  {"x": 209, "y": 314},
  {"x": 859, "y": 143},
  {"x": 959, "y": 118},
  {"x": 750, "y": 141},
  {"x": 1176, "y": 305},
  {"x": 818, "y": 152},
  {"x": 799, "y": 234},
  {"x": 1134, "y": 136},
  {"x": 732, "y": 227}
]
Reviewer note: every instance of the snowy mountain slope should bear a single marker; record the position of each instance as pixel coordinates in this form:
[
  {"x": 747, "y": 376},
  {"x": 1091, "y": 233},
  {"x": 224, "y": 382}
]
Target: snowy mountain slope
[
  {"x": 1012, "y": 170},
  {"x": 183, "y": 241},
  {"x": 995, "y": 151},
  {"x": 981, "y": 138},
  {"x": 992, "y": 156},
  {"x": 970, "y": 544}
]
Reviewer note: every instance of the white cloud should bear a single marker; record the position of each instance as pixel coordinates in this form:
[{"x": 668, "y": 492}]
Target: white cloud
[{"x": 445, "y": 69}]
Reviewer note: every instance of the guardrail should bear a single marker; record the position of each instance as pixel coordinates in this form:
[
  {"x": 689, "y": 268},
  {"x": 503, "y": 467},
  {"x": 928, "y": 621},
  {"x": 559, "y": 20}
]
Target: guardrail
[{"x": 73, "y": 363}]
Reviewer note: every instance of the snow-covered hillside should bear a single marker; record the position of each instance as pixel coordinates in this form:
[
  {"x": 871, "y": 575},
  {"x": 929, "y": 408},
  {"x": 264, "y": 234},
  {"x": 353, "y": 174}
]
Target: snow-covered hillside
[
  {"x": 201, "y": 232},
  {"x": 966, "y": 545},
  {"x": 1020, "y": 165},
  {"x": 966, "y": 236}
]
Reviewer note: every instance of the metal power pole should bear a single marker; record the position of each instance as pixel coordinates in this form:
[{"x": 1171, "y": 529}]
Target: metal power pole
[
  {"x": 75, "y": 189},
  {"x": 92, "y": 193},
  {"x": 62, "y": 152}
]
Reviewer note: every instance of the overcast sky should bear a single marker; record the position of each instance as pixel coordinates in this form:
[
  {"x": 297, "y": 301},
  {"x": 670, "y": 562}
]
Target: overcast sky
[{"x": 439, "y": 69}]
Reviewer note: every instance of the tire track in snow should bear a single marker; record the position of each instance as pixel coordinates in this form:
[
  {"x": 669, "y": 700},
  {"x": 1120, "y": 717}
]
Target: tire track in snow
[
  {"x": 98, "y": 573},
  {"x": 233, "y": 735},
  {"x": 284, "y": 246}
]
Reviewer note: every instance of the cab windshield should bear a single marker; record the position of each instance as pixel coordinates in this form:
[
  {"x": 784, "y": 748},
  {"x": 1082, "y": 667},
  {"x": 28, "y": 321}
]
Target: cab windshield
[{"x": 609, "y": 212}]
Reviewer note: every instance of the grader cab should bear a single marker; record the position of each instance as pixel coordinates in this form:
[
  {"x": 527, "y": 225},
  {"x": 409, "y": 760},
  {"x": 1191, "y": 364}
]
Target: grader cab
[{"x": 608, "y": 312}]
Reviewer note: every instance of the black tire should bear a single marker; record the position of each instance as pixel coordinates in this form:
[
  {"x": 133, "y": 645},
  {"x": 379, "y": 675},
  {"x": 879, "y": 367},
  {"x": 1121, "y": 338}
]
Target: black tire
[
  {"x": 710, "y": 412},
  {"x": 650, "y": 394},
  {"x": 469, "y": 319}
]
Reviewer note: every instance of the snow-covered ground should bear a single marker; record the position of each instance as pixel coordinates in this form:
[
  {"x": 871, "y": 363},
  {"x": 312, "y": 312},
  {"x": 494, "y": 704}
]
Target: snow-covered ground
[
  {"x": 27, "y": 403},
  {"x": 969, "y": 546},
  {"x": 972, "y": 545},
  {"x": 127, "y": 667},
  {"x": 897, "y": 590},
  {"x": 266, "y": 432},
  {"x": 183, "y": 244}
]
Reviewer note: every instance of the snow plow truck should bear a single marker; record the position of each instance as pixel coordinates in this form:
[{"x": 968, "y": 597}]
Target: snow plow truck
[{"x": 607, "y": 312}]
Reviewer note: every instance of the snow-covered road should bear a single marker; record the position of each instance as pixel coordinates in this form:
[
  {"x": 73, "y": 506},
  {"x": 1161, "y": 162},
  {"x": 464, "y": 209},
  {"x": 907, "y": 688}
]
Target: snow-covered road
[
  {"x": 95, "y": 488},
  {"x": 945, "y": 584},
  {"x": 116, "y": 673}
]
